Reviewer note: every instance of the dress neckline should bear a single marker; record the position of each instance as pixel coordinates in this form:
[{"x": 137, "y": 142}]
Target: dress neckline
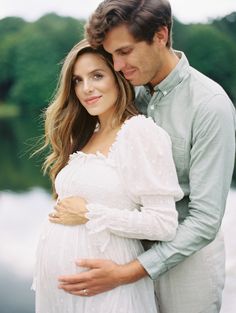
[{"x": 98, "y": 154}]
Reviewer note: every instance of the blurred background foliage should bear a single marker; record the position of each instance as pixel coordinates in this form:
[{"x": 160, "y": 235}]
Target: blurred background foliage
[{"x": 30, "y": 59}]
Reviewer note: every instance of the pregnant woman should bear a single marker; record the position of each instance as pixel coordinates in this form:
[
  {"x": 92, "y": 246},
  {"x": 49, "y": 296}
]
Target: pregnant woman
[{"x": 118, "y": 165}]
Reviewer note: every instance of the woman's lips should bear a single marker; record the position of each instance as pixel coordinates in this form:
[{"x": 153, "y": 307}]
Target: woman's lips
[{"x": 92, "y": 100}]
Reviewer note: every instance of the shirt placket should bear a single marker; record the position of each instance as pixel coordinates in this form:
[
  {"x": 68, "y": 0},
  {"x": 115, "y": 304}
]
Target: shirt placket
[{"x": 152, "y": 110}]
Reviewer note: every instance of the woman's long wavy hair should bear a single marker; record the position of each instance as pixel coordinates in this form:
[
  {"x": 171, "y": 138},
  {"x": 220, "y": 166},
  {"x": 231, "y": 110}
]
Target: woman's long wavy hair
[{"x": 68, "y": 126}]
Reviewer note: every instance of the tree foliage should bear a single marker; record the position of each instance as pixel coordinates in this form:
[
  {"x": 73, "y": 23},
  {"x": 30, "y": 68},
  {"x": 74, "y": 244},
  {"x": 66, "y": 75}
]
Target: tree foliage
[{"x": 30, "y": 60}]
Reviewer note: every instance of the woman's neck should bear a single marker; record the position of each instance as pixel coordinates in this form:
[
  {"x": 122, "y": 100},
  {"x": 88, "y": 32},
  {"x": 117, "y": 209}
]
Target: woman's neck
[{"x": 106, "y": 123}]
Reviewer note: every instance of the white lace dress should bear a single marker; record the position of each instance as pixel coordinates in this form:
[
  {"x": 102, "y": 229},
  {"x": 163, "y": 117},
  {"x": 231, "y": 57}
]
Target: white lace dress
[{"x": 131, "y": 195}]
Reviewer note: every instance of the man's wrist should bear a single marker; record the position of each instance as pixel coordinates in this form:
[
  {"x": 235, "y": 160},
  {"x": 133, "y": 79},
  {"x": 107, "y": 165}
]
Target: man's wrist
[{"x": 131, "y": 272}]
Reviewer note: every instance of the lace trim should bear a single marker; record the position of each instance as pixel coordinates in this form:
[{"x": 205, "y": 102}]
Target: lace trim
[{"x": 98, "y": 154}]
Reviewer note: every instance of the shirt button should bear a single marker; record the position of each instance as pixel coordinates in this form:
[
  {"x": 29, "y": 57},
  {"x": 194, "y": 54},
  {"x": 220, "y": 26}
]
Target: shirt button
[
  {"x": 164, "y": 93},
  {"x": 152, "y": 107}
]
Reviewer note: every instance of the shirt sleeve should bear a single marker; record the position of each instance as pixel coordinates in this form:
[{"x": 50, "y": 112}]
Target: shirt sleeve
[
  {"x": 211, "y": 167},
  {"x": 146, "y": 167}
]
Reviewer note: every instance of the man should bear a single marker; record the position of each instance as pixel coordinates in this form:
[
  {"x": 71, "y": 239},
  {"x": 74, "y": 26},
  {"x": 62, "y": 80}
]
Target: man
[{"x": 200, "y": 118}]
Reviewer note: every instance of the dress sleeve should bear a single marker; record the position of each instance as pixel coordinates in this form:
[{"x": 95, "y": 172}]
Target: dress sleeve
[{"x": 146, "y": 167}]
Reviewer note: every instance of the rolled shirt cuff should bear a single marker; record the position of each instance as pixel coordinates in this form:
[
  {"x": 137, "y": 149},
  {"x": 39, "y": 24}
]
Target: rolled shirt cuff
[{"x": 152, "y": 263}]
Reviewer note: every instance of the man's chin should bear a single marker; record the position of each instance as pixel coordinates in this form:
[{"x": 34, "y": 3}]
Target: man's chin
[{"x": 136, "y": 83}]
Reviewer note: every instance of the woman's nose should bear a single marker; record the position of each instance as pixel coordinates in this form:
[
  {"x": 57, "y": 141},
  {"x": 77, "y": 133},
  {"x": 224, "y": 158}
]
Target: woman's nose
[{"x": 87, "y": 86}]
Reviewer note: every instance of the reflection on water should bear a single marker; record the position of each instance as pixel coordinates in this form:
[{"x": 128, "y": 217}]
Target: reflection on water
[{"x": 21, "y": 216}]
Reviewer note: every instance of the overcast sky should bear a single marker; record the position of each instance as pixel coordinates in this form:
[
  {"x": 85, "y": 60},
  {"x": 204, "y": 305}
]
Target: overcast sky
[{"x": 185, "y": 10}]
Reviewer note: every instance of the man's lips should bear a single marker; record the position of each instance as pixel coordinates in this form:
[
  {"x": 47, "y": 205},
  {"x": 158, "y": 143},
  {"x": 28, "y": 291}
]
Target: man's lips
[{"x": 92, "y": 100}]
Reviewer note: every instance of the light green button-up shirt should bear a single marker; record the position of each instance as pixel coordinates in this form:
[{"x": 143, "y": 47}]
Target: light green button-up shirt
[{"x": 200, "y": 119}]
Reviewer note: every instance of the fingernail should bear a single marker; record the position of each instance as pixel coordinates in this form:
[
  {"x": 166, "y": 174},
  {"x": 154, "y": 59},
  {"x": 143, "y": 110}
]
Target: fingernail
[{"x": 78, "y": 262}]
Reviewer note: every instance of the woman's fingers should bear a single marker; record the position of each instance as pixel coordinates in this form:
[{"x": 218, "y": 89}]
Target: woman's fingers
[{"x": 53, "y": 215}]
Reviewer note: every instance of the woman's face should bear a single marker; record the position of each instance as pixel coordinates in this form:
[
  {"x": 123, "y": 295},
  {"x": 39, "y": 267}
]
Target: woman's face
[{"x": 95, "y": 85}]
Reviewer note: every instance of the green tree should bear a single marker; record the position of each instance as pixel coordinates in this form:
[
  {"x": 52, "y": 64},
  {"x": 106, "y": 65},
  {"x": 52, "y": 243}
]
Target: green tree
[
  {"x": 9, "y": 29},
  {"x": 42, "y": 47},
  {"x": 209, "y": 50},
  {"x": 227, "y": 25},
  {"x": 30, "y": 60}
]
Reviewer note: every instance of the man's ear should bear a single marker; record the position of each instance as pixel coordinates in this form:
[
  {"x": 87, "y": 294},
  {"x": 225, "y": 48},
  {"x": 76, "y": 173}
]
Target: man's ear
[{"x": 161, "y": 36}]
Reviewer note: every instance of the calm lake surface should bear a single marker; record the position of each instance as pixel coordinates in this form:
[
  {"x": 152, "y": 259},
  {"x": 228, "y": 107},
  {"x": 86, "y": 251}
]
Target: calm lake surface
[{"x": 21, "y": 217}]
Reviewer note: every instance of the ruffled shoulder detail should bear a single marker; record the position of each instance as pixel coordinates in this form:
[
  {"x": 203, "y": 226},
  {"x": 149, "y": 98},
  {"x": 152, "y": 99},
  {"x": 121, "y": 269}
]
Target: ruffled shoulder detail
[
  {"x": 144, "y": 158},
  {"x": 141, "y": 128},
  {"x": 124, "y": 128}
]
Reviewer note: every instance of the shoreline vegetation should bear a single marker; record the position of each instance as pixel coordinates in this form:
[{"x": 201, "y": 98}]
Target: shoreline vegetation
[{"x": 30, "y": 58}]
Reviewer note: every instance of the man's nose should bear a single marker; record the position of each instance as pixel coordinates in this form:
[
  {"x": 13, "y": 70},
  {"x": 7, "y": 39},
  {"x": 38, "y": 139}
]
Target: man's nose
[{"x": 119, "y": 63}]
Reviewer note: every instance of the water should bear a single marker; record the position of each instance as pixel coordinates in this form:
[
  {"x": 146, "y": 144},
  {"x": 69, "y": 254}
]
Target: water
[{"x": 21, "y": 216}]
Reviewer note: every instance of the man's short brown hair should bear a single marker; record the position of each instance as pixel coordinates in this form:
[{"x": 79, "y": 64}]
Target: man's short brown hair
[{"x": 142, "y": 17}]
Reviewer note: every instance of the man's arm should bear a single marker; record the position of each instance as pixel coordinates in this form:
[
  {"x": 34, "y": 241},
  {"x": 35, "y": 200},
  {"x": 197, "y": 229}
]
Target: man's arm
[{"x": 211, "y": 167}]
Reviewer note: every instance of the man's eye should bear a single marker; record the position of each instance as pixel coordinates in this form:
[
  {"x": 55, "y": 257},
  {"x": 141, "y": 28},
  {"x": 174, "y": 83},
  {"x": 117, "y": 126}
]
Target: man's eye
[{"x": 125, "y": 52}]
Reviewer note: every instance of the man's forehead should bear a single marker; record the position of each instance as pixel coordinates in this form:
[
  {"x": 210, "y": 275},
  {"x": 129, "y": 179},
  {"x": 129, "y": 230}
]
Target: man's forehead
[{"x": 118, "y": 39}]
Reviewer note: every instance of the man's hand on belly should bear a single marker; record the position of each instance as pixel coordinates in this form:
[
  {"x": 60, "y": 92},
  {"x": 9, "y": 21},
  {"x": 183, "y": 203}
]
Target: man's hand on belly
[{"x": 102, "y": 275}]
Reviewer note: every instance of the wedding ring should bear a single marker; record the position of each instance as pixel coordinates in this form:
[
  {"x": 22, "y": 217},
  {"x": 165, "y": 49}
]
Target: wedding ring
[{"x": 85, "y": 292}]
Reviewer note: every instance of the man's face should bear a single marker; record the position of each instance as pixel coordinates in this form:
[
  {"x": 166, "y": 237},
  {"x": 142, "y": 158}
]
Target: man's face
[{"x": 140, "y": 62}]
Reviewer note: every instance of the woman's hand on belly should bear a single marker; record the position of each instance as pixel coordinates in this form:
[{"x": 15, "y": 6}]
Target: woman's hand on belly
[{"x": 69, "y": 211}]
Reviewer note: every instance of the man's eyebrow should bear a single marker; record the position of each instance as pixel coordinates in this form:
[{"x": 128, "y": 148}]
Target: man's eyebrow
[{"x": 122, "y": 48}]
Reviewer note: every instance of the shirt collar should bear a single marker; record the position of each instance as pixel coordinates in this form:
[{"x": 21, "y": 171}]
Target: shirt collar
[{"x": 180, "y": 71}]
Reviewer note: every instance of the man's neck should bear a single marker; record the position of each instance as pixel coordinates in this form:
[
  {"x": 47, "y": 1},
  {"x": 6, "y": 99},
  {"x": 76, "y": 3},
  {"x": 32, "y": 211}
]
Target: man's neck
[{"x": 170, "y": 62}]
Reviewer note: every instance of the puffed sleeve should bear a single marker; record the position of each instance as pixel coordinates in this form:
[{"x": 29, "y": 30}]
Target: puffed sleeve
[{"x": 144, "y": 160}]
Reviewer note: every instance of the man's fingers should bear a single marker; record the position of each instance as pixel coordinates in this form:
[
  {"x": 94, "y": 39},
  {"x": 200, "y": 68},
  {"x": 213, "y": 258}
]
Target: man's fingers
[
  {"x": 91, "y": 263},
  {"x": 74, "y": 279},
  {"x": 84, "y": 293},
  {"x": 72, "y": 287},
  {"x": 100, "y": 277},
  {"x": 77, "y": 290},
  {"x": 81, "y": 290}
]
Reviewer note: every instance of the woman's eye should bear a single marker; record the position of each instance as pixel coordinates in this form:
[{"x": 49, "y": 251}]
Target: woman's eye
[
  {"x": 97, "y": 76},
  {"x": 76, "y": 81}
]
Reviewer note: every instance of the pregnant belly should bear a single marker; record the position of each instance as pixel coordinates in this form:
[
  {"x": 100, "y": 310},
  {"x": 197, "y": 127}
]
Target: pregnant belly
[{"x": 60, "y": 246}]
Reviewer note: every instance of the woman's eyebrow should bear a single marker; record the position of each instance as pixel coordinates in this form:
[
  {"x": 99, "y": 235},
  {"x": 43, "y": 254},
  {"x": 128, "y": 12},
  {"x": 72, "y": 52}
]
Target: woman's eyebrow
[{"x": 93, "y": 71}]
